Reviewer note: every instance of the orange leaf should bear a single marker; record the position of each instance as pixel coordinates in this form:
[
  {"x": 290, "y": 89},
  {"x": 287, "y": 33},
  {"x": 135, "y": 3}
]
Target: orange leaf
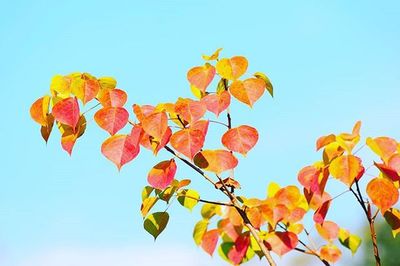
[
  {"x": 121, "y": 149},
  {"x": 190, "y": 110},
  {"x": 238, "y": 251},
  {"x": 325, "y": 140},
  {"x": 328, "y": 230},
  {"x": 384, "y": 147},
  {"x": 383, "y": 193},
  {"x": 113, "y": 98},
  {"x": 66, "y": 111},
  {"x": 46, "y": 130},
  {"x": 218, "y": 102},
  {"x": 255, "y": 217},
  {"x": 388, "y": 171},
  {"x": 227, "y": 229},
  {"x": 346, "y": 168},
  {"x": 309, "y": 177},
  {"x": 39, "y": 110},
  {"x": 315, "y": 200},
  {"x": 201, "y": 125},
  {"x": 330, "y": 253},
  {"x": 209, "y": 241},
  {"x": 85, "y": 87},
  {"x": 240, "y": 139},
  {"x": 348, "y": 141},
  {"x": 111, "y": 119},
  {"x": 248, "y": 91},
  {"x": 201, "y": 76},
  {"x": 155, "y": 125},
  {"x": 142, "y": 111},
  {"x": 232, "y": 68},
  {"x": 188, "y": 141},
  {"x": 162, "y": 174},
  {"x": 69, "y": 135},
  {"x": 281, "y": 242},
  {"x": 214, "y": 56},
  {"x": 215, "y": 161}
]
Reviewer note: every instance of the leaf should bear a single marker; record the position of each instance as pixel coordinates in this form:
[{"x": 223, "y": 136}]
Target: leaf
[
  {"x": 107, "y": 83},
  {"x": 147, "y": 190},
  {"x": 325, "y": 140},
  {"x": 332, "y": 151},
  {"x": 255, "y": 217},
  {"x": 328, "y": 230},
  {"x": 392, "y": 217},
  {"x": 388, "y": 171},
  {"x": 120, "y": 149},
  {"x": 40, "y": 109},
  {"x": 330, "y": 253},
  {"x": 66, "y": 111},
  {"x": 155, "y": 125},
  {"x": 232, "y": 68},
  {"x": 209, "y": 210},
  {"x": 346, "y": 168},
  {"x": 247, "y": 91},
  {"x": 216, "y": 161},
  {"x": 111, "y": 119},
  {"x": 238, "y": 251},
  {"x": 384, "y": 147},
  {"x": 240, "y": 139},
  {"x": 143, "y": 111},
  {"x": 268, "y": 84},
  {"x": 85, "y": 87},
  {"x": 209, "y": 241},
  {"x": 188, "y": 141},
  {"x": 272, "y": 189},
  {"x": 60, "y": 86},
  {"x": 201, "y": 76},
  {"x": 69, "y": 135},
  {"x": 349, "y": 141},
  {"x": 309, "y": 177},
  {"x": 113, "y": 98},
  {"x": 46, "y": 130},
  {"x": 218, "y": 102},
  {"x": 214, "y": 56},
  {"x": 188, "y": 198},
  {"x": 156, "y": 223},
  {"x": 320, "y": 213},
  {"x": 162, "y": 174},
  {"x": 349, "y": 241},
  {"x": 281, "y": 242},
  {"x": 383, "y": 193},
  {"x": 199, "y": 230},
  {"x": 190, "y": 110},
  {"x": 147, "y": 204}
]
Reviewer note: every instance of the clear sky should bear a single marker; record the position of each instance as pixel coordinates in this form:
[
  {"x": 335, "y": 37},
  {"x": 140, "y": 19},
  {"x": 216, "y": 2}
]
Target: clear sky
[{"x": 331, "y": 62}]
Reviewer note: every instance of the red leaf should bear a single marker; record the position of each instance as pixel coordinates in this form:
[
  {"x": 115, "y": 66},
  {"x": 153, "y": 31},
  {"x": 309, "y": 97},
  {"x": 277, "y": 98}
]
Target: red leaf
[
  {"x": 162, "y": 174},
  {"x": 388, "y": 171},
  {"x": 120, "y": 149},
  {"x": 190, "y": 110},
  {"x": 201, "y": 76},
  {"x": 240, "y": 139},
  {"x": 281, "y": 242},
  {"x": 111, "y": 119},
  {"x": 188, "y": 141},
  {"x": 209, "y": 241},
  {"x": 238, "y": 251},
  {"x": 215, "y": 161},
  {"x": 113, "y": 98},
  {"x": 67, "y": 111},
  {"x": 218, "y": 102},
  {"x": 69, "y": 135},
  {"x": 308, "y": 178},
  {"x": 320, "y": 213},
  {"x": 155, "y": 125}
]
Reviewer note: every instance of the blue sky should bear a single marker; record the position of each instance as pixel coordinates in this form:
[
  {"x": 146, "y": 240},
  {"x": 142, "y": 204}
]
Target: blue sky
[{"x": 331, "y": 62}]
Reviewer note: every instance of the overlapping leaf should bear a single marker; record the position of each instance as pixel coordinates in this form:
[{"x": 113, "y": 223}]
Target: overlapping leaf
[
  {"x": 40, "y": 109},
  {"x": 392, "y": 217},
  {"x": 162, "y": 174},
  {"x": 113, "y": 98},
  {"x": 217, "y": 102},
  {"x": 188, "y": 198},
  {"x": 240, "y": 139},
  {"x": 216, "y": 161},
  {"x": 209, "y": 241},
  {"x": 111, "y": 119},
  {"x": 346, "y": 168},
  {"x": 69, "y": 135},
  {"x": 66, "y": 111},
  {"x": 281, "y": 242},
  {"x": 232, "y": 68},
  {"x": 349, "y": 240},
  {"x": 330, "y": 253},
  {"x": 190, "y": 110},
  {"x": 328, "y": 230}
]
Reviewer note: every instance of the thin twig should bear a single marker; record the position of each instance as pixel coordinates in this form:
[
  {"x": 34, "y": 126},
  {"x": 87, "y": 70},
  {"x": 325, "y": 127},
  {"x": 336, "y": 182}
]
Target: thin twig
[
  {"x": 91, "y": 108},
  {"x": 207, "y": 201}
]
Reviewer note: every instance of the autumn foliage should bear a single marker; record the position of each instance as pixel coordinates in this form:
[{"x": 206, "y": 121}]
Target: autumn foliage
[{"x": 242, "y": 227}]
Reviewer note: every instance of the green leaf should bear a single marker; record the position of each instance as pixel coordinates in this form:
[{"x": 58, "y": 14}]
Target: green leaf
[
  {"x": 146, "y": 192},
  {"x": 209, "y": 210},
  {"x": 188, "y": 198},
  {"x": 268, "y": 83},
  {"x": 348, "y": 240},
  {"x": 224, "y": 249},
  {"x": 199, "y": 229},
  {"x": 156, "y": 223}
]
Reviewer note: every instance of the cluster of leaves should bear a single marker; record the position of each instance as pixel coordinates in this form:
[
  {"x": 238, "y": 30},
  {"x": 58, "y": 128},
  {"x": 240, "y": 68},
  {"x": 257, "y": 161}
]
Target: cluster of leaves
[{"x": 242, "y": 227}]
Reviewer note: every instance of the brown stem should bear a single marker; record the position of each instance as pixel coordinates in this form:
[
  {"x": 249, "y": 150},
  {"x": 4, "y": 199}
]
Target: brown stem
[
  {"x": 374, "y": 241},
  {"x": 206, "y": 201}
]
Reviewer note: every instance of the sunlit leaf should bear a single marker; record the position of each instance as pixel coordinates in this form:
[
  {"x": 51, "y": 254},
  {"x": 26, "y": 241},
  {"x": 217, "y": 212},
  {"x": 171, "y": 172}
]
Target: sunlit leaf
[
  {"x": 349, "y": 241},
  {"x": 325, "y": 140},
  {"x": 281, "y": 242},
  {"x": 199, "y": 230},
  {"x": 155, "y": 223},
  {"x": 321, "y": 212},
  {"x": 201, "y": 76},
  {"x": 67, "y": 111},
  {"x": 346, "y": 168},
  {"x": 247, "y": 91},
  {"x": 383, "y": 193},
  {"x": 388, "y": 171},
  {"x": 272, "y": 189},
  {"x": 143, "y": 111},
  {"x": 239, "y": 249},
  {"x": 190, "y": 110},
  {"x": 209, "y": 241},
  {"x": 217, "y": 102},
  {"x": 332, "y": 151},
  {"x": 328, "y": 230},
  {"x": 188, "y": 198},
  {"x": 155, "y": 125},
  {"x": 349, "y": 141},
  {"x": 147, "y": 204},
  {"x": 162, "y": 174},
  {"x": 60, "y": 86},
  {"x": 188, "y": 141},
  {"x": 46, "y": 130},
  {"x": 240, "y": 139},
  {"x": 330, "y": 253},
  {"x": 384, "y": 147},
  {"x": 214, "y": 56},
  {"x": 113, "y": 98},
  {"x": 111, "y": 119},
  {"x": 268, "y": 84},
  {"x": 40, "y": 109},
  {"x": 69, "y": 135},
  {"x": 309, "y": 177},
  {"x": 107, "y": 83},
  {"x": 85, "y": 87},
  {"x": 216, "y": 161},
  {"x": 232, "y": 68},
  {"x": 209, "y": 210},
  {"x": 146, "y": 192}
]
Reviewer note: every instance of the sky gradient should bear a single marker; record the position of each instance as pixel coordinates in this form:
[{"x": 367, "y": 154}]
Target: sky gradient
[{"x": 331, "y": 62}]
